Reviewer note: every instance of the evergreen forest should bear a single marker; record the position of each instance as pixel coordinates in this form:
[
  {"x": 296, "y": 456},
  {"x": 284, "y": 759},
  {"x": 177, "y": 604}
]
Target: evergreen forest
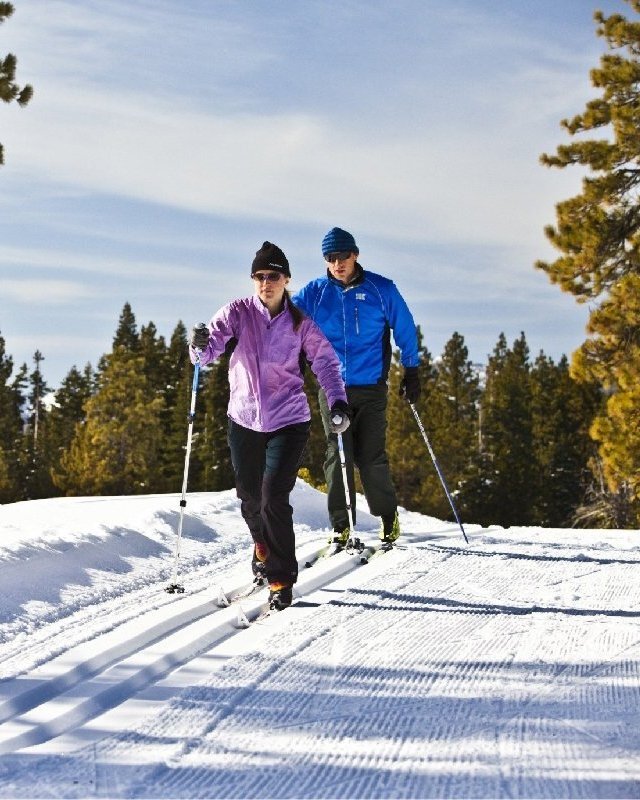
[{"x": 511, "y": 436}]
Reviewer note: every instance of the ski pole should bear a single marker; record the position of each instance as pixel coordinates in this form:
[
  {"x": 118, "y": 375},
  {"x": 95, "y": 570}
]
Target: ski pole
[
  {"x": 345, "y": 483},
  {"x": 435, "y": 464},
  {"x": 174, "y": 587}
]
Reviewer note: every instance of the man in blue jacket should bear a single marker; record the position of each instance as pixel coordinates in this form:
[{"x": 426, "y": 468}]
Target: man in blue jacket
[{"x": 357, "y": 310}]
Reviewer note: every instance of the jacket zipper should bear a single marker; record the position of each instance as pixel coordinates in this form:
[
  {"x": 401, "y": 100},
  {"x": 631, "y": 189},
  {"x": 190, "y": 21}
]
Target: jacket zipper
[{"x": 357, "y": 323}]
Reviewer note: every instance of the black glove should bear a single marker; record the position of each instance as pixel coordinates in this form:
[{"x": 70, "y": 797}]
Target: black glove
[
  {"x": 340, "y": 415},
  {"x": 199, "y": 336},
  {"x": 410, "y": 384}
]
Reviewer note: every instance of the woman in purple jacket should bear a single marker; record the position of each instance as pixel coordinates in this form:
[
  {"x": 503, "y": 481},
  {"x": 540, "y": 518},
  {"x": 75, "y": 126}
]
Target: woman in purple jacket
[{"x": 269, "y": 415}]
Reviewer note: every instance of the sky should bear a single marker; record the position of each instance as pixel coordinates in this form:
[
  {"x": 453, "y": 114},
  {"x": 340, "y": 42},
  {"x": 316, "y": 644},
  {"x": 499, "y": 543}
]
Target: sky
[
  {"x": 505, "y": 668},
  {"x": 165, "y": 142}
]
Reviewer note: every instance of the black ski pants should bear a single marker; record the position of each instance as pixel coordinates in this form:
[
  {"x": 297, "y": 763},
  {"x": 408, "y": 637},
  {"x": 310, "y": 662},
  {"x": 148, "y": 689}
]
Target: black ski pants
[
  {"x": 364, "y": 444},
  {"x": 265, "y": 467}
]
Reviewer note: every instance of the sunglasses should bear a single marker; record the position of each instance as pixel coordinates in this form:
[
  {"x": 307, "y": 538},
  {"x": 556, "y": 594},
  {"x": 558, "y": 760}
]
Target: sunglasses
[
  {"x": 333, "y": 257},
  {"x": 270, "y": 277}
]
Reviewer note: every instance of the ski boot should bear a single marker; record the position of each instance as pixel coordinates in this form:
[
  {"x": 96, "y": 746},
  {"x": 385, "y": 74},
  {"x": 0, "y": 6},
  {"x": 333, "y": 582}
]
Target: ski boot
[
  {"x": 390, "y": 531},
  {"x": 340, "y": 538},
  {"x": 258, "y": 563},
  {"x": 280, "y": 596}
]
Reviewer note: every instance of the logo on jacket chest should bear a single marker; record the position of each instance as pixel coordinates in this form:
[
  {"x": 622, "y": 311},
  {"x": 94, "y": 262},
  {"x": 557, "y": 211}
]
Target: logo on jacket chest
[{"x": 361, "y": 296}]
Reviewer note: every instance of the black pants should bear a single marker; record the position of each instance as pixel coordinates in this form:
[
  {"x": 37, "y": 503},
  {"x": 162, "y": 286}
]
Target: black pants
[
  {"x": 365, "y": 446},
  {"x": 265, "y": 467}
]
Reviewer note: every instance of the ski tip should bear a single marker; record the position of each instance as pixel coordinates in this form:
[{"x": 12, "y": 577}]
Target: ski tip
[
  {"x": 308, "y": 564},
  {"x": 241, "y": 619},
  {"x": 223, "y": 600}
]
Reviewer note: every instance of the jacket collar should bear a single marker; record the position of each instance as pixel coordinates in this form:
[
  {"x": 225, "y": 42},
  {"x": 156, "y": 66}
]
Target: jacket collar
[
  {"x": 264, "y": 311},
  {"x": 357, "y": 280}
]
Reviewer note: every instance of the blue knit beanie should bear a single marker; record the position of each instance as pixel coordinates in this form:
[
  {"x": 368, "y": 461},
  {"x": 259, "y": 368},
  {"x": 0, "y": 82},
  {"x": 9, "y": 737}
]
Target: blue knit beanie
[{"x": 339, "y": 241}]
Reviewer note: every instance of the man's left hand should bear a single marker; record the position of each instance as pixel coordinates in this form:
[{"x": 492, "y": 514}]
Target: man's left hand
[{"x": 410, "y": 384}]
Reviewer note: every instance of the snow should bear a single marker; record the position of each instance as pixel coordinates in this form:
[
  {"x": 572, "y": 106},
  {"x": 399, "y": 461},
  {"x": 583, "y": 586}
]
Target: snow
[{"x": 508, "y": 667}]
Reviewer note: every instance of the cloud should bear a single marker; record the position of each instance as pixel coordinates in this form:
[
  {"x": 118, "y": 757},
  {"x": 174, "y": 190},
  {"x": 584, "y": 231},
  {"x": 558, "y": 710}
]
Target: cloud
[
  {"x": 295, "y": 167},
  {"x": 40, "y": 292},
  {"x": 91, "y": 262},
  {"x": 400, "y": 164}
]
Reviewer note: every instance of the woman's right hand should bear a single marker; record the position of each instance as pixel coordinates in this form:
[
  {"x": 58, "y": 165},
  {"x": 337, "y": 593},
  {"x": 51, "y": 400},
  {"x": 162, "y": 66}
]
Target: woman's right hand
[
  {"x": 340, "y": 417},
  {"x": 199, "y": 336}
]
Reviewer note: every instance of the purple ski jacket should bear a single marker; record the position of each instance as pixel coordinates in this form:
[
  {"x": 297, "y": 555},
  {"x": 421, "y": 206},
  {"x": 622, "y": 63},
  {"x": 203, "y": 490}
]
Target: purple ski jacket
[{"x": 264, "y": 369}]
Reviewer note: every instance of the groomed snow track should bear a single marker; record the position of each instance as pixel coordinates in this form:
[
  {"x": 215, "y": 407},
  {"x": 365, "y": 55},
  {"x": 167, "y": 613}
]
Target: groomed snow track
[{"x": 83, "y": 693}]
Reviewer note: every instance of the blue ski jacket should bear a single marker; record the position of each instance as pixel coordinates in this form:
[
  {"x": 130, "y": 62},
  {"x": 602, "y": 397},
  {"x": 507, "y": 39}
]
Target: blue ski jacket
[{"x": 357, "y": 319}]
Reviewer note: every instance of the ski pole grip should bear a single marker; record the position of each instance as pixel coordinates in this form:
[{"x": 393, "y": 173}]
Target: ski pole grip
[{"x": 194, "y": 385}]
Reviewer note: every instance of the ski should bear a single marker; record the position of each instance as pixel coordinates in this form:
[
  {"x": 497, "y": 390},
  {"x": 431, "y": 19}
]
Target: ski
[
  {"x": 332, "y": 549},
  {"x": 225, "y": 599},
  {"x": 374, "y": 551},
  {"x": 265, "y": 611},
  {"x": 263, "y": 615}
]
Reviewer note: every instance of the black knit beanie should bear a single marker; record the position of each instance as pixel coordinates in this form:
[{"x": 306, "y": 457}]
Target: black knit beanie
[{"x": 270, "y": 256}]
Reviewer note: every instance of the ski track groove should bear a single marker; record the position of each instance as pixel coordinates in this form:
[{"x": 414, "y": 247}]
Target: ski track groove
[
  {"x": 22, "y": 719},
  {"x": 531, "y": 690},
  {"x": 170, "y": 781},
  {"x": 24, "y": 648}
]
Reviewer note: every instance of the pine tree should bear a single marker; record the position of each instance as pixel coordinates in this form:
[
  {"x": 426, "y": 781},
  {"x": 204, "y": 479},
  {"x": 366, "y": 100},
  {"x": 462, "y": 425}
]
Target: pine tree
[
  {"x": 598, "y": 233},
  {"x": 174, "y": 415},
  {"x": 214, "y": 457},
  {"x": 312, "y": 467},
  {"x": 410, "y": 465},
  {"x": 67, "y": 413},
  {"x": 561, "y": 414},
  {"x": 11, "y": 402},
  {"x": 153, "y": 349},
  {"x": 126, "y": 334},
  {"x": 454, "y": 410},
  {"x": 115, "y": 451},
  {"x": 509, "y": 473},
  {"x": 34, "y": 454},
  {"x": 125, "y": 338},
  {"x": 9, "y": 89}
]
